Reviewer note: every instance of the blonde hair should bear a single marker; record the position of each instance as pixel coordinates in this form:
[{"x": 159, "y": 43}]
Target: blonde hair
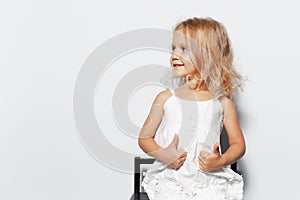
[{"x": 212, "y": 56}]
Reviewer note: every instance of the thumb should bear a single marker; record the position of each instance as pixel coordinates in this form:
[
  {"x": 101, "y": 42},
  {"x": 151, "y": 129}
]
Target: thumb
[
  {"x": 216, "y": 148},
  {"x": 174, "y": 142}
]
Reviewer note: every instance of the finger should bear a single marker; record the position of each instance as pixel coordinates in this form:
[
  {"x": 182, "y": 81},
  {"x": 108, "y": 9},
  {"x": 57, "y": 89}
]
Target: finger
[
  {"x": 203, "y": 154},
  {"x": 203, "y": 157},
  {"x": 202, "y": 163},
  {"x": 176, "y": 166},
  {"x": 183, "y": 155},
  {"x": 201, "y": 167},
  {"x": 200, "y": 158},
  {"x": 208, "y": 156},
  {"x": 213, "y": 156},
  {"x": 216, "y": 148},
  {"x": 173, "y": 167},
  {"x": 204, "y": 169},
  {"x": 181, "y": 151},
  {"x": 182, "y": 159}
]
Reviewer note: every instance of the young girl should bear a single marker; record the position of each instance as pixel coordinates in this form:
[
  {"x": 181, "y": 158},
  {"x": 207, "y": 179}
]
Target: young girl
[{"x": 183, "y": 128}]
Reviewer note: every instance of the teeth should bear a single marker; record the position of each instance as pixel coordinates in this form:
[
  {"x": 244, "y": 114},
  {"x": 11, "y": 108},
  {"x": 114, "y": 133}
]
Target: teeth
[{"x": 178, "y": 65}]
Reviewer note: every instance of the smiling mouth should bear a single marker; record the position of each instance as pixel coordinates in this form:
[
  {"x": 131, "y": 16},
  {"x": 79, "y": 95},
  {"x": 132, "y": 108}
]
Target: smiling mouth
[{"x": 178, "y": 65}]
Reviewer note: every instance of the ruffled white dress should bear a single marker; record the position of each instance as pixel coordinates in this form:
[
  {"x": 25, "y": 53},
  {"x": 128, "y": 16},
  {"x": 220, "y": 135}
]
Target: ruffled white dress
[{"x": 199, "y": 125}]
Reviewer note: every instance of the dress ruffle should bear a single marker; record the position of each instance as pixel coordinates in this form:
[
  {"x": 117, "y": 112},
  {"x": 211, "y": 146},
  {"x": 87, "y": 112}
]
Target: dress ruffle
[{"x": 224, "y": 184}]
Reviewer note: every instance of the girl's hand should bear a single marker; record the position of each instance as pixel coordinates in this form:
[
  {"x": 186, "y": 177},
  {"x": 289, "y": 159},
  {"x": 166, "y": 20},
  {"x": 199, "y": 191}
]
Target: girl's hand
[
  {"x": 174, "y": 157},
  {"x": 178, "y": 162},
  {"x": 210, "y": 161}
]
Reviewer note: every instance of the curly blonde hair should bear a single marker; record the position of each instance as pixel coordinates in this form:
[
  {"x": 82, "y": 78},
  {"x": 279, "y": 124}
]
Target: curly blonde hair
[{"x": 212, "y": 56}]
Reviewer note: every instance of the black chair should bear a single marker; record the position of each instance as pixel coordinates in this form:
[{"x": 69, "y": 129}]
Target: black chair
[{"x": 139, "y": 193}]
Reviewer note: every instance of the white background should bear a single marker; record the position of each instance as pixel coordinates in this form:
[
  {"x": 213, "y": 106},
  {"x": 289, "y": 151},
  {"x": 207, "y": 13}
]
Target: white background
[{"x": 43, "y": 45}]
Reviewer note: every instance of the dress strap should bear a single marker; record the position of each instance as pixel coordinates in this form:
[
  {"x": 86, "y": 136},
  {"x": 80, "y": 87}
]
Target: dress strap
[{"x": 172, "y": 91}]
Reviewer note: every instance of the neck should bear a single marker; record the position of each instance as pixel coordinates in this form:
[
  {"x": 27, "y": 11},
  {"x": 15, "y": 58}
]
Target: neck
[{"x": 202, "y": 87}]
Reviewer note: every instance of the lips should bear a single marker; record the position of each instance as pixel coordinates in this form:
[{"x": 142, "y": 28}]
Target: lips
[{"x": 178, "y": 65}]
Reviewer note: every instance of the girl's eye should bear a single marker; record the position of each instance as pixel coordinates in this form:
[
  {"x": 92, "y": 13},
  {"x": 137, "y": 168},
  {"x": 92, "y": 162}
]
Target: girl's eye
[
  {"x": 179, "y": 49},
  {"x": 173, "y": 48}
]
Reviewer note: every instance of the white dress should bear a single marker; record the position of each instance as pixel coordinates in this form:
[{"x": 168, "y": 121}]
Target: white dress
[{"x": 199, "y": 125}]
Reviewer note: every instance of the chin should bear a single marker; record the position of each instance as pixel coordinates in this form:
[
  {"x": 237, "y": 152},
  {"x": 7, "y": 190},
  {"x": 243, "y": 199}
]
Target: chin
[{"x": 178, "y": 74}]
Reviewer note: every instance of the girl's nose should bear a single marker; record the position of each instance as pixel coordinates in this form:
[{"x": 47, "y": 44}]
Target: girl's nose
[{"x": 174, "y": 56}]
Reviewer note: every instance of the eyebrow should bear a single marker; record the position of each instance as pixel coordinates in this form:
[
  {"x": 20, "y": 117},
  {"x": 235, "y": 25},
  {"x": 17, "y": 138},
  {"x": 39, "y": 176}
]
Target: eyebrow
[{"x": 180, "y": 44}]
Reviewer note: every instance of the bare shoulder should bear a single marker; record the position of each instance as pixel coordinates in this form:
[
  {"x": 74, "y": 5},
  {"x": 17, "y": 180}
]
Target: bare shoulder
[
  {"x": 162, "y": 97},
  {"x": 227, "y": 104}
]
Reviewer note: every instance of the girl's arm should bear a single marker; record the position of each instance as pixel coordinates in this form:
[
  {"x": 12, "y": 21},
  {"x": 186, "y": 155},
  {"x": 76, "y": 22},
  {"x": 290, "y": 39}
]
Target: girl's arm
[
  {"x": 236, "y": 139},
  {"x": 237, "y": 146},
  {"x": 169, "y": 155}
]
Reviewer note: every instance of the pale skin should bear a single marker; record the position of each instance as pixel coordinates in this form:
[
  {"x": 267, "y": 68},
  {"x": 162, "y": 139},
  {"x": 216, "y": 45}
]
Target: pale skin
[{"x": 171, "y": 155}]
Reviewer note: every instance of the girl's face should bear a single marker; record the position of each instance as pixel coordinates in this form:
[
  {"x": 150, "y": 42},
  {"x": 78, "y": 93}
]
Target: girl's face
[{"x": 180, "y": 59}]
